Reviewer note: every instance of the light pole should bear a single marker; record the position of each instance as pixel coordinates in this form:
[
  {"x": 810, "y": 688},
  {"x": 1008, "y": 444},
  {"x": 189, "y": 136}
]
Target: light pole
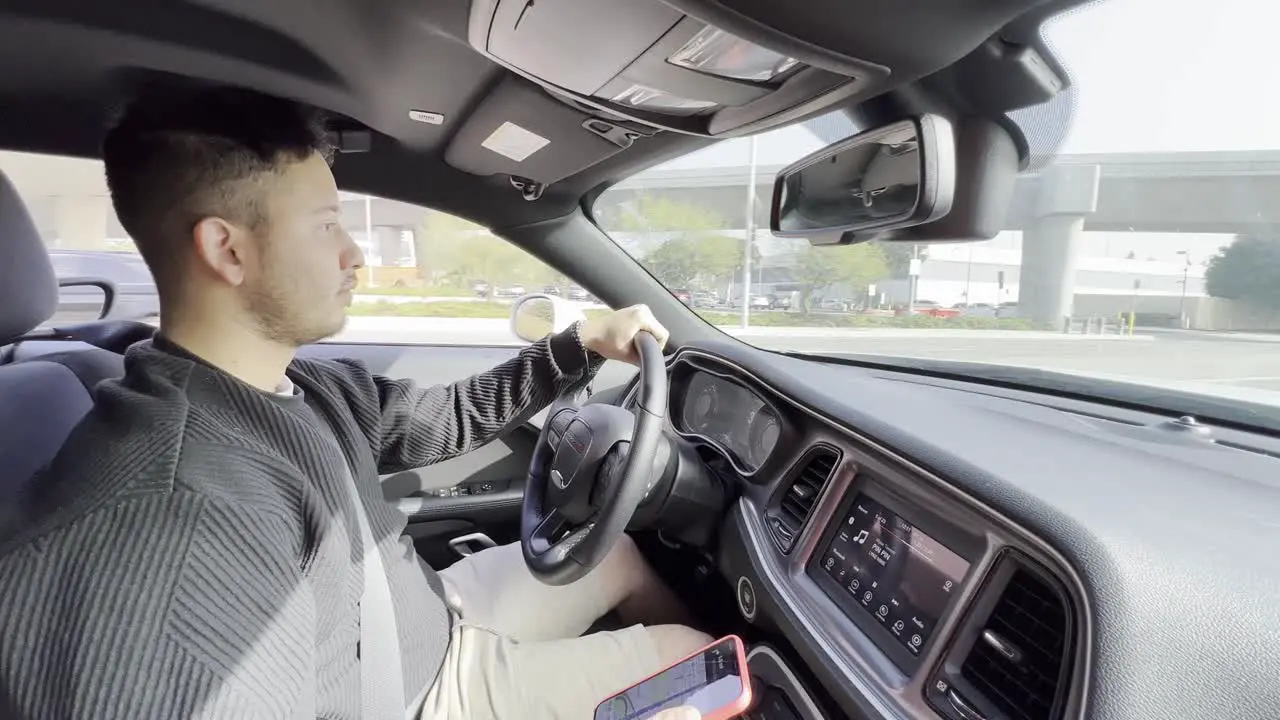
[
  {"x": 968, "y": 276},
  {"x": 368, "y": 234},
  {"x": 751, "y": 236},
  {"x": 1182, "y": 301}
]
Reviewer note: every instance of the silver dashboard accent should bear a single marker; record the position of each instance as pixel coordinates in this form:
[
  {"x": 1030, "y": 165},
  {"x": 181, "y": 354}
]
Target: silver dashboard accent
[
  {"x": 471, "y": 543},
  {"x": 962, "y": 707},
  {"x": 765, "y": 663},
  {"x": 1002, "y": 646}
]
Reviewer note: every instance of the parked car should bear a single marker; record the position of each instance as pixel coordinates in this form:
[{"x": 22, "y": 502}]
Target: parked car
[
  {"x": 933, "y": 309},
  {"x": 979, "y": 310},
  {"x": 705, "y": 299},
  {"x": 136, "y": 296}
]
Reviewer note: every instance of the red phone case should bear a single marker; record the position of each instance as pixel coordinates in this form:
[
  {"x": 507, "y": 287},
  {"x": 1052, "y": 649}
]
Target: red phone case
[{"x": 732, "y": 710}]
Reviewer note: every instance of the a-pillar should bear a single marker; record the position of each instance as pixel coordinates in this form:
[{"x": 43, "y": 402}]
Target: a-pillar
[
  {"x": 1051, "y": 242},
  {"x": 80, "y": 221}
]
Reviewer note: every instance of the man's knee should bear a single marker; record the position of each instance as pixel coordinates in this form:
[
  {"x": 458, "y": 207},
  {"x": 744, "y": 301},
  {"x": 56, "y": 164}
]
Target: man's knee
[
  {"x": 625, "y": 553},
  {"x": 674, "y": 642}
]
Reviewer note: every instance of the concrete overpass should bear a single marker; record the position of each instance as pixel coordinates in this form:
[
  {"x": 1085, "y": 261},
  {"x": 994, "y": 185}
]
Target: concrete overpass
[
  {"x": 1227, "y": 192},
  {"x": 1202, "y": 192}
]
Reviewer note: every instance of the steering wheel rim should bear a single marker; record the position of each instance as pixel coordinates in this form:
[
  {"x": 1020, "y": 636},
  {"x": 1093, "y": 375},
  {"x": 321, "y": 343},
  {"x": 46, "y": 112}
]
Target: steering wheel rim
[{"x": 594, "y": 460}]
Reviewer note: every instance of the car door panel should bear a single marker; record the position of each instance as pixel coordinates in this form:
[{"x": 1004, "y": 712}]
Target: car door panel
[{"x": 480, "y": 491}]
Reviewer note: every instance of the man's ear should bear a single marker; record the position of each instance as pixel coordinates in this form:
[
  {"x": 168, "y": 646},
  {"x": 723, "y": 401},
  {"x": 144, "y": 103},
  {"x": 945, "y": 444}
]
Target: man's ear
[{"x": 221, "y": 248}]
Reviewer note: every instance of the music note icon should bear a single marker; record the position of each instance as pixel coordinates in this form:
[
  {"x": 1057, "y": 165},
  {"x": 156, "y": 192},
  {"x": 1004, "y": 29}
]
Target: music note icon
[{"x": 861, "y": 537}]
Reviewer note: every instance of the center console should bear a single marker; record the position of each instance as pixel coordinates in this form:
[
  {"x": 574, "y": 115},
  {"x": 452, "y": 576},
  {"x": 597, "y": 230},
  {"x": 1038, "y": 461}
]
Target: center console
[
  {"x": 779, "y": 693},
  {"x": 893, "y": 568}
]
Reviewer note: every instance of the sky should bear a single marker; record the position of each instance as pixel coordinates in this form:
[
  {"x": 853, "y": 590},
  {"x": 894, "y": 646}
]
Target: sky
[{"x": 1171, "y": 75}]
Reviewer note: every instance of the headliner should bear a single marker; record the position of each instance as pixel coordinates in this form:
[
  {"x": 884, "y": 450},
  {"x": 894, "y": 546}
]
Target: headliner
[{"x": 66, "y": 66}]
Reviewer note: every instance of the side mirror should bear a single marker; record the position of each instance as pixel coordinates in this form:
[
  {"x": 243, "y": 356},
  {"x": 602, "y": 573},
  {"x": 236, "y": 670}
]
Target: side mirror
[
  {"x": 533, "y": 317},
  {"x": 895, "y": 176},
  {"x": 82, "y": 299}
]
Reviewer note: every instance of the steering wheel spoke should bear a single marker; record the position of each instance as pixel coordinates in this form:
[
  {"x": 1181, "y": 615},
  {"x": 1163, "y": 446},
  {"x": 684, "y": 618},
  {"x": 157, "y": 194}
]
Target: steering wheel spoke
[
  {"x": 568, "y": 523},
  {"x": 547, "y": 531}
]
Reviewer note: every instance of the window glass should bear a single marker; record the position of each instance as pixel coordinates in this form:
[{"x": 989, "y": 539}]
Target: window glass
[
  {"x": 429, "y": 277},
  {"x": 1142, "y": 245}
]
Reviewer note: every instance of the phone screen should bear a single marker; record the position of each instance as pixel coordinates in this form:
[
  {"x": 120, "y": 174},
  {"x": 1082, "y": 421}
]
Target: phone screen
[{"x": 708, "y": 681}]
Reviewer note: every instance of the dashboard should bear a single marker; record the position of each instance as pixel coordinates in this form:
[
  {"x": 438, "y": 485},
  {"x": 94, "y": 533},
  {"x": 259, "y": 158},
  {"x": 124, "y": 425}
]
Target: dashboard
[{"x": 932, "y": 548}]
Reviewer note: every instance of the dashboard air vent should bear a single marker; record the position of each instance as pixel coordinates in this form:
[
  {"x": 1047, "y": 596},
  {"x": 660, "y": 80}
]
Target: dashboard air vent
[
  {"x": 797, "y": 502},
  {"x": 1017, "y": 660}
]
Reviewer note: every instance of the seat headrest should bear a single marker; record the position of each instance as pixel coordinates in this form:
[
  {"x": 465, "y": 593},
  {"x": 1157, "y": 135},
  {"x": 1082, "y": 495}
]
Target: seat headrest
[{"x": 28, "y": 287}]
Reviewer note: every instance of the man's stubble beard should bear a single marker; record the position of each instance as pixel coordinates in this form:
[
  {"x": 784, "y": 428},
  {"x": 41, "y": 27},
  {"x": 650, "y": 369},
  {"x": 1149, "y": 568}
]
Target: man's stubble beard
[{"x": 282, "y": 314}]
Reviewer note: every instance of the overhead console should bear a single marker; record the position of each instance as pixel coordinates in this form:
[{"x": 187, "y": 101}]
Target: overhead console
[{"x": 646, "y": 61}]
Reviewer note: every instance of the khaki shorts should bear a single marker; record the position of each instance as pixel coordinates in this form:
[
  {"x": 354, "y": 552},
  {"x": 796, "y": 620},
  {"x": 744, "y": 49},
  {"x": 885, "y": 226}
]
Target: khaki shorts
[{"x": 515, "y": 652}]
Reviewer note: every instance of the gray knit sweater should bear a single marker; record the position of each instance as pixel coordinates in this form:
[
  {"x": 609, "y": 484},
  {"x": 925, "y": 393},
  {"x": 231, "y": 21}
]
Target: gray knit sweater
[{"x": 192, "y": 552}]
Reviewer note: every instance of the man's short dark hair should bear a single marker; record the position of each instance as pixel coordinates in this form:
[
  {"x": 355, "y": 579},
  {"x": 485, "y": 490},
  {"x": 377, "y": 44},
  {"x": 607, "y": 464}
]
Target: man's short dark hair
[{"x": 178, "y": 156}]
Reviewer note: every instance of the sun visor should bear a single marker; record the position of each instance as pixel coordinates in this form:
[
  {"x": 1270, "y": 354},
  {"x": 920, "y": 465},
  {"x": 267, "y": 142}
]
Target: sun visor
[{"x": 520, "y": 130}]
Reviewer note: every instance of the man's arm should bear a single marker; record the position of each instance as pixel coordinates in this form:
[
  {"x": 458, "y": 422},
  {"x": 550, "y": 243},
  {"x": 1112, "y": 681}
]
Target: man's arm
[
  {"x": 169, "y": 605},
  {"x": 419, "y": 426}
]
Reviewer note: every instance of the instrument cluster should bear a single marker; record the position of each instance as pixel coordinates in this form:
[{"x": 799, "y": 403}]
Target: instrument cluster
[{"x": 730, "y": 417}]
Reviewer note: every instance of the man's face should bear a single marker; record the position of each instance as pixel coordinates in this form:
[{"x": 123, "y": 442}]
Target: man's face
[{"x": 302, "y": 274}]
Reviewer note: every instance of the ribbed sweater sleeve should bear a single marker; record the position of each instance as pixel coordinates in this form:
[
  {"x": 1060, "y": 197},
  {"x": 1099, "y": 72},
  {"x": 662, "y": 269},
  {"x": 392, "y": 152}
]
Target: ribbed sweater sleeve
[
  {"x": 162, "y": 605},
  {"x": 418, "y": 426}
]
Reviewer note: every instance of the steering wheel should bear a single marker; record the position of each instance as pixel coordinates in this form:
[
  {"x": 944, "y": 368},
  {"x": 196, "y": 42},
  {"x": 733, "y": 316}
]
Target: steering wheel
[{"x": 591, "y": 469}]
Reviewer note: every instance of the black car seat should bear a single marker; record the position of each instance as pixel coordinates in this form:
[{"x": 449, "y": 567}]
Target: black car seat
[{"x": 43, "y": 398}]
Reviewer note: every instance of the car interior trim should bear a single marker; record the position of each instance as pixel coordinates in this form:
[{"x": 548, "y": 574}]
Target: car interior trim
[
  {"x": 860, "y": 660},
  {"x": 766, "y": 664}
]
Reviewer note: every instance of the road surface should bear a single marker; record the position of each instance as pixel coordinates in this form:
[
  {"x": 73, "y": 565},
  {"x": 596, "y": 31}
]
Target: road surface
[{"x": 1237, "y": 365}]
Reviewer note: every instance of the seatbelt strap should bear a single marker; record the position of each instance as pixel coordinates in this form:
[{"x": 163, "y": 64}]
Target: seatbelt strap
[{"x": 381, "y": 673}]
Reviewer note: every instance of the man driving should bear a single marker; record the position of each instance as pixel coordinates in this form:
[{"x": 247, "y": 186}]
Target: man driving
[{"x": 195, "y": 549}]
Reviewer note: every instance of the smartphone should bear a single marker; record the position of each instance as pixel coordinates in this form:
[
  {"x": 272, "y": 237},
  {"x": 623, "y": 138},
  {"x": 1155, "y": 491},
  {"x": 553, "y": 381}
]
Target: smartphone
[{"x": 713, "y": 680}]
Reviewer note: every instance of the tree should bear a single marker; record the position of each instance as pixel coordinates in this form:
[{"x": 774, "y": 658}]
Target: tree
[
  {"x": 674, "y": 262},
  {"x": 655, "y": 213},
  {"x": 1247, "y": 270},
  {"x": 464, "y": 252},
  {"x": 897, "y": 256},
  {"x": 818, "y": 268},
  {"x": 692, "y": 259},
  {"x": 679, "y": 242}
]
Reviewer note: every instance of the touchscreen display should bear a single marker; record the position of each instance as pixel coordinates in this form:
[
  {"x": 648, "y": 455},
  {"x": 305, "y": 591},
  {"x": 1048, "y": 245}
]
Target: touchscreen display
[
  {"x": 892, "y": 571},
  {"x": 708, "y": 681}
]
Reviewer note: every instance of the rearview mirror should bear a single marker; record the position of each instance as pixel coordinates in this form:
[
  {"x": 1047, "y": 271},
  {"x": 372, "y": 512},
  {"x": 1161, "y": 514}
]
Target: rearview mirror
[
  {"x": 895, "y": 176},
  {"x": 533, "y": 317}
]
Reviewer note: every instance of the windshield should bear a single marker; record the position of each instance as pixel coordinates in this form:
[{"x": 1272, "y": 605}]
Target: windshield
[{"x": 1171, "y": 279}]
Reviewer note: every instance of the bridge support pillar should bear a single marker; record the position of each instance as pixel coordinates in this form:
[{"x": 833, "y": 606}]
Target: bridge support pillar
[
  {"x": 386, "y": 239},
  {"x": 1050, "y": 242},
  {"x": 81, "y": 221}
]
